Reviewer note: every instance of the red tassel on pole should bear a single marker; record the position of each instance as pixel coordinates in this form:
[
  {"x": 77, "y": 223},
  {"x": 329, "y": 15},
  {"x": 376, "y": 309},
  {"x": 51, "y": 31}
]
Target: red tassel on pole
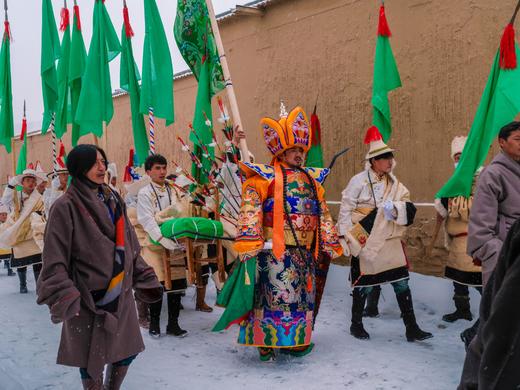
[
  {"x": 65, "y": 19},
  {"x": 507, "y": 48},
  {"x": 382, "y": 29},
  {"x": 24, "y": 129},
  {"x": 78, "y": 20},
  {"x": 7, "y": 30},
  {"x": 128, "y": 28}
]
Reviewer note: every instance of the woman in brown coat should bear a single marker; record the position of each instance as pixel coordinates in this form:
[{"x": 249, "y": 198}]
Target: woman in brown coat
[{"x": 91, "y": 263}]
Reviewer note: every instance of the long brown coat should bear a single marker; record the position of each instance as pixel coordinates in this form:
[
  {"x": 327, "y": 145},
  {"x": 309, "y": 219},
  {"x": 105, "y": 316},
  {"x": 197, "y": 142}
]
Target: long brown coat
[{"x": 78, "y": 257}]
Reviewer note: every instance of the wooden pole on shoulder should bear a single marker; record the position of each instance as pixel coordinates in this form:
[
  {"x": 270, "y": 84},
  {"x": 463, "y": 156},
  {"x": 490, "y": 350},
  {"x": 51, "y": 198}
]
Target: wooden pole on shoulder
[{"x": 227, "y": 78}]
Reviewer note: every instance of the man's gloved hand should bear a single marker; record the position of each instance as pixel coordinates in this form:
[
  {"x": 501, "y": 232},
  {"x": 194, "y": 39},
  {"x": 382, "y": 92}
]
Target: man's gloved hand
[
  {"x": 13, "y": 181},
  {"x": 168, "y": 244},
  {"x": 268, "y": 245},
  {"x": 389, "y": 210},
  {"x": 55, "y": 184}
]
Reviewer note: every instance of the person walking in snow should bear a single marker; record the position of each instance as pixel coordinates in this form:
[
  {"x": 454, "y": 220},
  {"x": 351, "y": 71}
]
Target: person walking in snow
[
  {"x": 89, "y": 287},
  {"x": 375, "y": 211}
]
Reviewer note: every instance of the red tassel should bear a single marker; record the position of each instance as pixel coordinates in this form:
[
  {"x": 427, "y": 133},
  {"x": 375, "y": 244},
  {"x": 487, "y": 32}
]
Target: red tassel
[
  {"x": 128, "y": 28},
  {"x": 128, "y": 177},
  {"x": 382, "y": 29},
  {"x": 316, "y": 130},
  {"x": 507, "y": 48},
  {"x": 65, "y": 19},
  {"x": 24, "y": 129},
  {"x": 7, "y": 30},
  {"x": 78, "y": 20},
  {"x": 373, "y": 134}
]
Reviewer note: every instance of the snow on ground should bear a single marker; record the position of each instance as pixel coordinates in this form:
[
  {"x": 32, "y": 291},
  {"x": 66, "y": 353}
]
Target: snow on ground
[{"x": 206, "y": 360}]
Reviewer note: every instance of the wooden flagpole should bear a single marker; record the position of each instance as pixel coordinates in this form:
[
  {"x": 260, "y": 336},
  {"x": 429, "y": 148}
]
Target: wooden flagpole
[{"x": 227, "y": 77}]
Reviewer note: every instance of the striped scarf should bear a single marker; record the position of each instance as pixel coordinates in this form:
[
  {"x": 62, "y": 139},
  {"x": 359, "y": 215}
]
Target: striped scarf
[{"x": 108, "y": 299}]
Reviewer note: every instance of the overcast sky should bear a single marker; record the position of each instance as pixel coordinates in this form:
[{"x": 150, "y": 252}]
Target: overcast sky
[{"x": 25, "y": 18}]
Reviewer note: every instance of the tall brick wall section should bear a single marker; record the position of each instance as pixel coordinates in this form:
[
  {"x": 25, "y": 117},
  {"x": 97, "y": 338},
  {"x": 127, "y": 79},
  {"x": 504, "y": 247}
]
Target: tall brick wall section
[{"x": 303, "y": 48}]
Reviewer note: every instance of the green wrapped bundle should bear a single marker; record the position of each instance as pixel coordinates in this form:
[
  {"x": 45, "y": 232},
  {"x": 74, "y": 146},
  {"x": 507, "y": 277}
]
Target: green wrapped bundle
[{"x": 196, "y": 228}]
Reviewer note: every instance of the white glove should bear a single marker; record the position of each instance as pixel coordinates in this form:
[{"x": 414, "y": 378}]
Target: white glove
[
  {"x": 55, "y": 184},
  {"x": 168, "y": 244},
  {"x": 268, "y": 245},
  {"x": 344, "y": 245},
  {"x": 389, "y": 210},
  {"x": 13, "y": 181}
]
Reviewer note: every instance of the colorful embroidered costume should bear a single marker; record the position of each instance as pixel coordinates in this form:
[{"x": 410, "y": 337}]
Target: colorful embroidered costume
[{"x": 274, "y": 197}]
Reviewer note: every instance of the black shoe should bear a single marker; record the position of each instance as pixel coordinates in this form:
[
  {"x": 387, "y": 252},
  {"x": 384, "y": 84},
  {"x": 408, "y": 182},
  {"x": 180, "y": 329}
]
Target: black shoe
[
  {"x": 23, "y": 290},
  {"x": 358, "y": 331},
  {"x": 414, "y": 333},
  {"x": 371, "y": 309},
  {"x": 457, "y": 315},
  {"x": 175, "y": 330},
  {"x": 469, "y": 334},
  {"x": 155, "y": 329},
  {"x": 22, "y": 276},
  {"x": 10, "y": 272},
  {"x": 462, "y": 311}
]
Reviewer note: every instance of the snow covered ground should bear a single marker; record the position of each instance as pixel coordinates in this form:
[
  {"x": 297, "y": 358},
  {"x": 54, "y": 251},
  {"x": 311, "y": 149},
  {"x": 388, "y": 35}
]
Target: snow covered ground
[{"x": 205, "y": 360}]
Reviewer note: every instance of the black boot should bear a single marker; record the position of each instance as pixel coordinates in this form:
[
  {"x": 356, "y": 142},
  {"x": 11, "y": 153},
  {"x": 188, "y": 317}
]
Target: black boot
[
  {"x": 462, "y": 310},
  {"x": 469, "y": 334},
  {"x": 155, "y": 319},
  {"x": 371, "y": 309},
  {"x": 22, "y": 276},
  {"x": 37, "y": 269},
  {"x": 174, "y": 307},
  {"x": 413, "y": 332},
  {"x": 356, "y": 328}
]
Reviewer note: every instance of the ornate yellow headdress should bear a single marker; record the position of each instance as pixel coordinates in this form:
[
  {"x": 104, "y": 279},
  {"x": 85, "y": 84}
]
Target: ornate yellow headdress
[{"x": 291, "y": 130}]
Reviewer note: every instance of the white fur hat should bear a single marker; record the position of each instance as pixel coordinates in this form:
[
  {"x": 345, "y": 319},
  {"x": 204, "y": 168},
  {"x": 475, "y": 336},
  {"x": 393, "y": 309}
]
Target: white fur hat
[
  {"x": 377, "y": 146},
  {"x": 457, "y": 145},
  {"x": 28, "y": 173}
]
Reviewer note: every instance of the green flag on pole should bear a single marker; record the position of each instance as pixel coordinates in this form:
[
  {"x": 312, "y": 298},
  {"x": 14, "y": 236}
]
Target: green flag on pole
[
  {"x": 386, "y": 77},
  {"x": 6, "y": 95},
  {"x": 129, "y": 81},
  {"x": 63, "y": 108},
  {"x": 499, "y": 105},
  {"x": 50, "y": 52},
  {"x": 95, "y": 104},
  {"x": 195, "y": 40},
  {"x": 315, "y": 154},
  {"x": 77, "y": 66},
  {"x": 157, "y": 78},
  {"x": 22, "y": 157},
  {"x": 196, "y": 43}
]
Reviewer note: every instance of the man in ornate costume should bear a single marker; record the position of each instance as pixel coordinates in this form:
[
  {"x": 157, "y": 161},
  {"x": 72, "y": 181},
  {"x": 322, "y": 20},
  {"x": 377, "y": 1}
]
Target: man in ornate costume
[
  {"x": 18, "y": 232},
  {"x": 284, "y": 227},
  {"x": 5, "y": 253},
  {"x": 59, "y": 182},
  {"x": 460, "y": 267},
  {"x": 155, "y": 201},
  {"x": 375, "y": 211}
]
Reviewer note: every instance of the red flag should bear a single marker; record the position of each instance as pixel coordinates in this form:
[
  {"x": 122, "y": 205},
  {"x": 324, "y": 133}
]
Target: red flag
[{"x": 24, "y": 129}]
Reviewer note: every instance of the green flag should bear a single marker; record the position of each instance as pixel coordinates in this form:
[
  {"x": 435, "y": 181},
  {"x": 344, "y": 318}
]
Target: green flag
[
  {"x": 129, "y": 81},
  {"x": 50, "y": 52},
  {"x": 499, "y": 105},
  {"x": 196, "y": 43},
  {"x": 237, "y": 295},
  {"x": 386, "y": 78},
  {"x": 157, "y": 82},
  {"x": 315, "y": 154},
  {"x": 195, "y": 40},
  {"x": 22, "y": 157},
  {"x": 62, "y": 111},
  {"x": 6, "y": 96},
  {"x": 78, "y": 63},
  {"x": 95, "y": 104}
]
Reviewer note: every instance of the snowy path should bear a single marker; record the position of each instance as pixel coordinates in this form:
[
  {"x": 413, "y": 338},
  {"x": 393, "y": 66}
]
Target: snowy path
[{"x": 204, "y": 360}]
